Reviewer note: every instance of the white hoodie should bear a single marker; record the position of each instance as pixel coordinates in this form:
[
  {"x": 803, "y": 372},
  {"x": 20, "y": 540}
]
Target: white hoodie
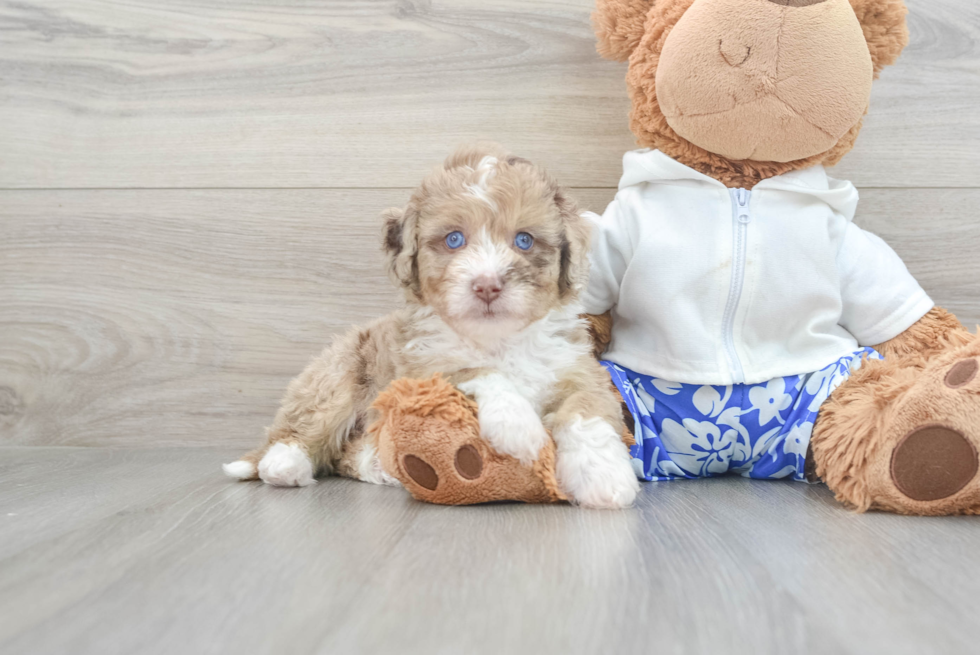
[{"x": 716, "y": 286}]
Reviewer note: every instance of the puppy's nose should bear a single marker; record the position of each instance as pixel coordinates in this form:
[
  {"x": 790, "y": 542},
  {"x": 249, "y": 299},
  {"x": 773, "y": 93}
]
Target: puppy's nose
[
  {"x": 487, "y": 287},
  {"x": 796, "y": 3}
]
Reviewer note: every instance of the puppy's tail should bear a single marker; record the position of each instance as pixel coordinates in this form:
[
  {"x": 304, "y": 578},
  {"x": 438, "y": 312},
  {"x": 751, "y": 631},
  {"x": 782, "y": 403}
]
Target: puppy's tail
[{"x": 245, "y": 467}]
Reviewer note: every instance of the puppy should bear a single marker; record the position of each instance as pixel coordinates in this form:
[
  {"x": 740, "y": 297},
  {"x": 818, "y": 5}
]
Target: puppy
[{"x": 491, "y": 256}]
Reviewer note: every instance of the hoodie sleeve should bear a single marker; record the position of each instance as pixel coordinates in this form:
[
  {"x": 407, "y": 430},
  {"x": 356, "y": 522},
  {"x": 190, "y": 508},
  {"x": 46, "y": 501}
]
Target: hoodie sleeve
[
  {"x": 880, "y": 297},
  {"x": 611, "y": 252}
]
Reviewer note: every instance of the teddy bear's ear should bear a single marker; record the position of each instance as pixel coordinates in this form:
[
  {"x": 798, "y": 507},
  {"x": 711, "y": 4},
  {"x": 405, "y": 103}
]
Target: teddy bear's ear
[
  {"x": 619, "y": 26},
  {"x": 883, "y": 22}
]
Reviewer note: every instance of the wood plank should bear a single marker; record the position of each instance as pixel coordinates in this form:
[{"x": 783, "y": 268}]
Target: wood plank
[
  {"x": 209, "y": 566},
  {"x": 818, "y": 550},
  {"x": 221, "y": 93},
  {"x": 560, "y": 579},
  {"x": 206, "y": 565},
  {"x": 30, "y": 514},
  {"x": 903, "y": 561},
  {"x": 177, "y": 317}
]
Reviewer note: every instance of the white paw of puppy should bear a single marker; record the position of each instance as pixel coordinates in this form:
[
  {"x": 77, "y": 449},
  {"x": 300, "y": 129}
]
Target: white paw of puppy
[
  {"x": 286, "y": 465},
  {"x": 593, "y": 466},
  {"x": 240, "y": 470},
  {"x": 511, "y": 426},
  {"x": 369, "y": 467}
]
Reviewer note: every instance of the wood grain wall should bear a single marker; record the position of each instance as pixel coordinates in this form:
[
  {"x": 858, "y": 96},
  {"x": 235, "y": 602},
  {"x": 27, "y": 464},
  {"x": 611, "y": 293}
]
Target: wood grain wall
[{"x": 189, "y": 191}]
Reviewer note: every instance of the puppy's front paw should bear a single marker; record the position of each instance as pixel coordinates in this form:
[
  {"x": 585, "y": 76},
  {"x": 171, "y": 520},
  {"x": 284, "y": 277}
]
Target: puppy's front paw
[
  {"x": 511, "y": 426},
  {"x": 593, "y": 465},
  {"x": 286, "y": 466}
]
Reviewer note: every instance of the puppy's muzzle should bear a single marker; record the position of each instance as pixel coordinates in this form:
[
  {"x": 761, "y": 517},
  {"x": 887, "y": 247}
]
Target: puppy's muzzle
[{"x": 487, "y": 287}]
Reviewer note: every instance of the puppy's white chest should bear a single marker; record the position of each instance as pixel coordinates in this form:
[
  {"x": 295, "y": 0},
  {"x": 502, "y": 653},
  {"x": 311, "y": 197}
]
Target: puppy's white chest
[
  {"x": 531, "y": 360},
  {"x": 534, "y": 377},
  {"x": 534, "y": 365}
]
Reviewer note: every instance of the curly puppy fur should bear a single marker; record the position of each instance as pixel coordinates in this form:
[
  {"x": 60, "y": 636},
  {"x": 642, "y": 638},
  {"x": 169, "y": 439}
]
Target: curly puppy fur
[
  {"x": 637, "y": 30},
  {"x": 499, "y": 321}
]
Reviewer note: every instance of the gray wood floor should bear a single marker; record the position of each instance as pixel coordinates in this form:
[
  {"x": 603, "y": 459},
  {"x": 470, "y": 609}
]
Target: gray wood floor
[
  {"x": 189, "y": 200},
  {"x": 109, "y": 551}
]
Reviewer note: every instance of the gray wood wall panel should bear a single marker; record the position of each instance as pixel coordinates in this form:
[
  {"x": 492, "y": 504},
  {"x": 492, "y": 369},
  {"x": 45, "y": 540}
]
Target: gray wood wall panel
[
  {"x": 176, "y": 317},
  {"x": 369, "y": 93},
  {"x": 144, "y": 301}
]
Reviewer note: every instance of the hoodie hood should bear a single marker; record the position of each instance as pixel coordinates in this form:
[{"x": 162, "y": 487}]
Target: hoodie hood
[{"x": 648, "y": 166}]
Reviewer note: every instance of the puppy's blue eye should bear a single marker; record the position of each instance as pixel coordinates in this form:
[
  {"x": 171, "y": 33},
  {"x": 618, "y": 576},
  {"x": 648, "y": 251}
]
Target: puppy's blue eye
[
  {"x": 523, "y": 240},
  {"x": 455, "y": 240}
]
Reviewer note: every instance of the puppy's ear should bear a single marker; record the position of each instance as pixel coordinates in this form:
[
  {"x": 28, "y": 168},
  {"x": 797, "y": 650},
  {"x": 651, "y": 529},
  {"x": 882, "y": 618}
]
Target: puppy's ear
[
  {"x": 575, "y": 243},
  {"x": 400, "y": 239},
  {"x": 885, "y": 30},
  {"x": 619, "y": 26}
]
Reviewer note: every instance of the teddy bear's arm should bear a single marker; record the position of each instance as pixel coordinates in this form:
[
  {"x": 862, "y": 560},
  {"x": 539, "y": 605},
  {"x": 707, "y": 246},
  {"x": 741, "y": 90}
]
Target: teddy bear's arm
[{"x": 932, "y": 333}]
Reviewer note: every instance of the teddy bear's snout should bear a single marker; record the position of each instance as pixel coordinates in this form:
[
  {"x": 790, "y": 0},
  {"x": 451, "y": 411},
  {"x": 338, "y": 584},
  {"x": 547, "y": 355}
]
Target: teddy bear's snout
[
  {"x": 776, "y": 82},
  {"x": 734, "y": 53}
]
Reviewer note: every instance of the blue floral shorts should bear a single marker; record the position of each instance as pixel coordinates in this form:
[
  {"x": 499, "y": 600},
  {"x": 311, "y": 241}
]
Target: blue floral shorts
[{"x": 755, "y": 430}]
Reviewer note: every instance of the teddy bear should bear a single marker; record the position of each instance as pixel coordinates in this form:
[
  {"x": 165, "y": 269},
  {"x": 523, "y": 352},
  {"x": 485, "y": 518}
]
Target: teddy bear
[{"x": 748, "y": 324}]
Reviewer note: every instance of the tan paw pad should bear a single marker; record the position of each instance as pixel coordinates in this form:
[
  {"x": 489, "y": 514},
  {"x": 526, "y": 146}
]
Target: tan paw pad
[
  {"x": 933, "y": 462},
  {"x": 421, "y": 472},
  {"x": 469, "y": 462},
  {"x": 961, "y": 373}
]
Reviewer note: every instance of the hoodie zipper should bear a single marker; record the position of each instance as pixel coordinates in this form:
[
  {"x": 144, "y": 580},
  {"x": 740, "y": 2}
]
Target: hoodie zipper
[{"x": 741, "y": 217}]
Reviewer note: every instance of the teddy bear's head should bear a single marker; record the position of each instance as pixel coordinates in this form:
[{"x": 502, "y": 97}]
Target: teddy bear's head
[{"x": 743, "y": 90}]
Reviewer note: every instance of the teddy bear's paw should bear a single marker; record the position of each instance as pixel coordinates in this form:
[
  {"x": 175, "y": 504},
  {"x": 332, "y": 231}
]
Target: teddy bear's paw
[
  {"x": 510, "y": 425},
  {"x": 593, "y": 466},
  {"x": 286, "y": 465},
  {"x": 931, "y": 461}
]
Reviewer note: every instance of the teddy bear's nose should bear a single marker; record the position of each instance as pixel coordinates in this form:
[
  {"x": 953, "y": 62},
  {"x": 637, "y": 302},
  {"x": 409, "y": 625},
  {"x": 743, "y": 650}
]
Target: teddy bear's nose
[{"x": 796, "y": 3}]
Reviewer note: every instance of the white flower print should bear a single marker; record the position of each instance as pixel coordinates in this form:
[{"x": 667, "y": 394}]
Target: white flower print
[
  {"x": 698, "y": 447},
  {"x": 738, "y": 434},
  {"x": 798, "y": 439},
  {"x": 709, "y": 402},
  {"x": 816, "y": 383},
  {"x": 646, "y": 403},
  {"x": 746, "y": 456},
  {"x": 717, "y": 429},
  {"x": 823, "y": 383},
  {"x": 770, "y": 400},
  {"x": 730, "y": 417},
  {"x": 667, "y": 469},
  {"x": 659, "y": 470},
  {"x": 667, "y": 388}
]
